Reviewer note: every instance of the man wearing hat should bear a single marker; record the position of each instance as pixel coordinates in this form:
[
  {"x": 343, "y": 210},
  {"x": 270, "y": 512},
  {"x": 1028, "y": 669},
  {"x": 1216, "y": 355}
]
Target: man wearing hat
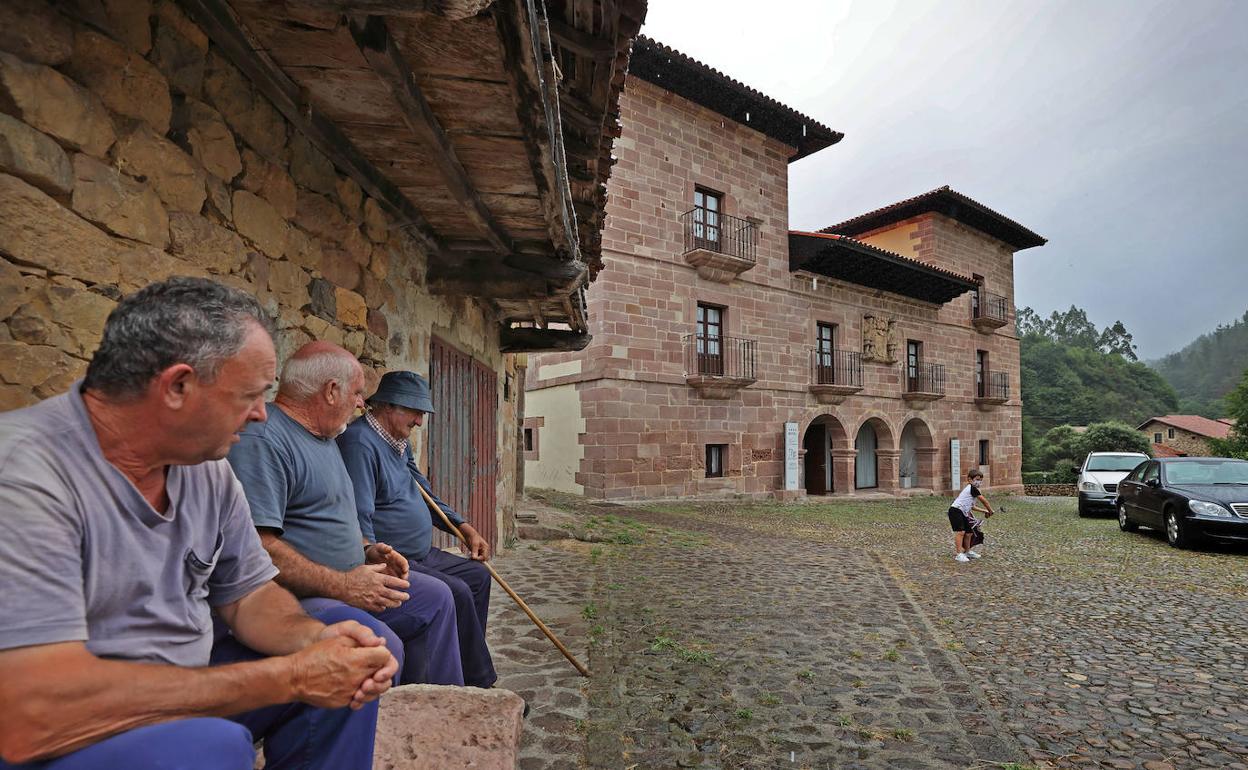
[{"x": 378, "y": 456}]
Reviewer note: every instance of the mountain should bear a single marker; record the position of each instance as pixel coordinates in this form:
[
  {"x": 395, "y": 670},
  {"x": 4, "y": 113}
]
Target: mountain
[{"x": 1206, "y": 370}]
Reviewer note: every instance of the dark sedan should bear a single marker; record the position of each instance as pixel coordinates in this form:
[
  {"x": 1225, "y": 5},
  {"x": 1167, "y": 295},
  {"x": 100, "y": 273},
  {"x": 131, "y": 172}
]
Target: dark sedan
[{"x": 1187, "y": 497}]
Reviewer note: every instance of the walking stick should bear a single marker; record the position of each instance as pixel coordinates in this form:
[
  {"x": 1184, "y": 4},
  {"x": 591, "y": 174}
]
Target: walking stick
[{"x": 536, "y": 620}]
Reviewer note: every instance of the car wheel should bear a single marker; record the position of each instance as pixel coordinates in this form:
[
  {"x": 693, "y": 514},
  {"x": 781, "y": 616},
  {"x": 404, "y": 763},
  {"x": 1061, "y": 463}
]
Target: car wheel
[
  {"x": 1177, "y": 533},
  {"x": 1083, "y": 511},
  {"x": 1125, "y": 524}
]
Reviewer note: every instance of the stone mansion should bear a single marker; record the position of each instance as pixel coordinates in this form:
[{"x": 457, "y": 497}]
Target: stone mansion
[{"x": 732, "y": 355}]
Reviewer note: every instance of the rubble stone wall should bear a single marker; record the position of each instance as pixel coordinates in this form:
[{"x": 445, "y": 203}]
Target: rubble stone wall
[{"x": 131, "y": 151}]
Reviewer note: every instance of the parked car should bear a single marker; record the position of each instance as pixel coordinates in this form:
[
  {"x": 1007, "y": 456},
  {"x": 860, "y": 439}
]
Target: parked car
[
  {"x": 1188, "y": 497},
  {"x": 1099, "y": 477}
]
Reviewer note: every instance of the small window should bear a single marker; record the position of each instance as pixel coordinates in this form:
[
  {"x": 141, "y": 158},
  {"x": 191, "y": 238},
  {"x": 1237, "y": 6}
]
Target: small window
[
  {"x": 1156, "y": 438},
  {"x": 985, "y": 455},
  {"x": 528, "y": 439},
  {"x": 715, "y": 454},
  {"x": 1170, "y": 432}
]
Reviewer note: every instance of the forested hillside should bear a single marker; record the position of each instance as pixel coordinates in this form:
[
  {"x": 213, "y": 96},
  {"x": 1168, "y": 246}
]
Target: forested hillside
[{"x": 1206, "y": 370}]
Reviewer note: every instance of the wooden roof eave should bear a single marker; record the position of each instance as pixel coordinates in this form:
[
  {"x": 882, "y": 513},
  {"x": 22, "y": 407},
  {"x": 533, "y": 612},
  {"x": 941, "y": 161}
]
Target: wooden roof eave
[{"x": 865, "y": 265}]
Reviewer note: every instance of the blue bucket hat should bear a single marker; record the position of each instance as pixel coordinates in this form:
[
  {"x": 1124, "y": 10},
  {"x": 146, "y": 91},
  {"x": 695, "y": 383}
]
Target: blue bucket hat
[{"x": 404, "y": 389}]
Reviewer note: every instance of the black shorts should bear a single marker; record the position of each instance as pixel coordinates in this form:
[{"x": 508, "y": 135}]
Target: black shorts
[{"x": 958, "y": 520}]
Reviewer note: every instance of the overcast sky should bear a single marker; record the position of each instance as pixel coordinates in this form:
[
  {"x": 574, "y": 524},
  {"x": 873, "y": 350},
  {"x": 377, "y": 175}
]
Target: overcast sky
[{"x": 1117, "y": 130}]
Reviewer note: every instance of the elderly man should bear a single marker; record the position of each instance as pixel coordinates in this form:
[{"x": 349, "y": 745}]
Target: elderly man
[
  {"x": 379, "y": 458},
  {"x": 122, "y": 530},
  {"x": 303, "y": 505}
]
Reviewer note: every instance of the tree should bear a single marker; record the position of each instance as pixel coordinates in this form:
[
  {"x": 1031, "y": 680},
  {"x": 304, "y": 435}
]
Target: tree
[
  {"x": 1116, "y": 339},
  {"x": 1114, "y": 437},
  {"x": 1059, "y": 448},
  {"x": 1235, "y": 445}
]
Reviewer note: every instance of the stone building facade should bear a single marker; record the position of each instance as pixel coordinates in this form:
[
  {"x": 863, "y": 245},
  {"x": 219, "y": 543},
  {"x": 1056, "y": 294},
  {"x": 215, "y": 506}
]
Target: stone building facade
[
  {"x": 133, "y": 149},
  {"x": 715, "y": 325},
  {"x": 1184, "y": 434}
]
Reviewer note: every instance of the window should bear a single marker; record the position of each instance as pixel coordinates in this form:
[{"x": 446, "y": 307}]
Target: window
[
  {"x": 985, "y": 456},
  {"x": 1156, "y": 438},
  {"x": 979, "y": 281},
  {"x": 914, "y": 357},
  {"x": 981, "y": 374},
  {"x": 825, "y": 346},
  {"x": 1170, "y": 432},
  {"x": 710, "y": 339},
  {"x": 528, "y": 439},
  {"x": 707, "y": 206},
  {"x": 1153, "y": 471},
  {"x": 715, "y": 454}
]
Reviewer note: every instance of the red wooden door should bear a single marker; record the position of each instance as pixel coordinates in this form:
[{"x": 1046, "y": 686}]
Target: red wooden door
[{"x": 463, "y": 438}]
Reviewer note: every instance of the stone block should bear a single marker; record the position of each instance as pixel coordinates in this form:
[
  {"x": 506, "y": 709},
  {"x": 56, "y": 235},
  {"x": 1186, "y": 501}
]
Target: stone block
[
  {"x": 377, "y": 323},
  {"x": 352, "y": 310},
  {"x": 141, "y": 265},
  {"x": 323, "y": 299},
  {"x": 176, "y": 178},
  {"x": 310, "y": 167},
  {"x": 126, "y": 82},
  {"x": 128, "y": 21},
  {"x": 303, "y": 248},
  {"x": 34, "y": 31},
  {"x": 355, "y": 244},
  {"x": 81, "y": 314},
  {"x": 486, "y": 734},
  {"x": 201, "y": 130},
  {"x": 218, "y": 206},
  {"x": 289, "y": 283},
  {"x": 269, "y": 181},
  {"x": 352, "y": 198},
  {"x": 339, "y": 268},
  {"x": 122, "y": 205},
  {"x": 376, "y": 223},
  {"x": 36, "y": 230},
  {"x": 258, "y": 222},
  {"x": 179, "y": 49},
  {"x": 206, "y": 244},
  {"x": 34, "y": 157},
  {"x": 52, "y": 103},
  {"x": 353, "y": 341},
  {"x": 247, "y": 112},
  {"x": 321, "y": 217},
  {"x": 37, "y": 368},
  {"x": 12, "y": 291}
]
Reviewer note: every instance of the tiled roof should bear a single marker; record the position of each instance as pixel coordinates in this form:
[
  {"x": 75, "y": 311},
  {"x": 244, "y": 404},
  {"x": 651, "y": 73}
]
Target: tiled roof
[
  {"x": 849, "y": 259},
  {"x": 702, "y": 84},
  {"x": 1161, "y": 450},
  {"x": 1194, "y": 423},
  {"x": 951, "y": 203}
]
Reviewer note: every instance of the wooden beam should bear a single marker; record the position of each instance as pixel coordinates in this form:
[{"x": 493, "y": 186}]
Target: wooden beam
[
  {"x": 217, "y": 20},
  {"x": 383, "y": 55},
  {"x": 529, "y": 340},
  {"x": 535, "y": 307},
  {"x": 537, "y": 109},
  {"x": 580, "y": 43},
  {"x": 452, "y": 9}
]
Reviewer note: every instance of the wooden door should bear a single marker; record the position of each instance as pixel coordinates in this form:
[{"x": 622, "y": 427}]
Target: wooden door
[{"x": 463, "y": 438}]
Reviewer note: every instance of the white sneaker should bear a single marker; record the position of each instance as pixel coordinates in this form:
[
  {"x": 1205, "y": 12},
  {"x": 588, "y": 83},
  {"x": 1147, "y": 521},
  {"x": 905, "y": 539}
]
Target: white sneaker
[
  {"x": 974, "y": 555},
  {"x": 961, "y": 557}
]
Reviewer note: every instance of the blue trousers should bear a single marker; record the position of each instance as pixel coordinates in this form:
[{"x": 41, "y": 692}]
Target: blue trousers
[
  {"x": 469, "y": 582},
  {"x": 296, "y": 736}
]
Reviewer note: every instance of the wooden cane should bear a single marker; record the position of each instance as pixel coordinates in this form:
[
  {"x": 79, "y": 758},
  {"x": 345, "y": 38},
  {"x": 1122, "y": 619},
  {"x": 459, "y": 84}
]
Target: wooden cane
[{"x": 536, "y": 620}]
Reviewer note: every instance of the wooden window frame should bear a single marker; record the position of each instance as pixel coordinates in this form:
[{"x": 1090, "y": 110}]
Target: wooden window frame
[
  {"x": 715, "y": 470},
  {"x": 708, "y": 362}
]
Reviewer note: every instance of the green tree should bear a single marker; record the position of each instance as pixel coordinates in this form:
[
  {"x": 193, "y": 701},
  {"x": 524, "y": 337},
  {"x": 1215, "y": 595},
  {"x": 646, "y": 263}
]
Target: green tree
[
  {"x": 1235, "y": 445},
  {"x": 1114, "y": 437},
  {"x": 1058, "y": 449},
  {"x": 1207, "y": 369}
]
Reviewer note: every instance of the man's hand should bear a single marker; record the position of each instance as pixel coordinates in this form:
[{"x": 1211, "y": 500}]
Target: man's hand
[
  {"x": 478, "y": 547},
  {"x": 380, "y": 553},
  {"x": 380, "y": 681},
  {"x": 370, "y": 587},
  {"x": 337, "y": 672}
]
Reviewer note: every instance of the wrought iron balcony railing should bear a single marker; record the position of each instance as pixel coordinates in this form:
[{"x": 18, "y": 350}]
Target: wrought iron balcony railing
[
  {"x": 926, "y": 378},
  {"x": 728, "y": 357},
  {"x": 836, "y": 367},
  {"x": 989, "y": 307},
  {"x": 994, "y": 386},
  {"x": 720, "y": 233}
]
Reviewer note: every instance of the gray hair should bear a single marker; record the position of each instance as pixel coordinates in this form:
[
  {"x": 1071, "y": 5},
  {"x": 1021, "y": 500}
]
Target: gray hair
[
  {"x": 304, "y": 376},
  {"x": 181, "y": 320}
]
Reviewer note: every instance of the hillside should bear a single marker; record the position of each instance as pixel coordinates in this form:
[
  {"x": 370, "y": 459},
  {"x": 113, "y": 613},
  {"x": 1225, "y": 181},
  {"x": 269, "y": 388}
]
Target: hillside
[{"x": 1206, "y": 370}]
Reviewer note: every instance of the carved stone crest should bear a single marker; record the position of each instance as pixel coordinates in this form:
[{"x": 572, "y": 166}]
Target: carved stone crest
[{"x": 880, "y": 342}]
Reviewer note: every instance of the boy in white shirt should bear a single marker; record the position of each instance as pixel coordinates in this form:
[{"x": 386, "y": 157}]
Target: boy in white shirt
[{"x": 960, "y": 518}]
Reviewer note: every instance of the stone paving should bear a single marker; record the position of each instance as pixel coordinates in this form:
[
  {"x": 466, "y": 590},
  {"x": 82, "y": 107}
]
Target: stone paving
[{"x": 844, "y": 636}]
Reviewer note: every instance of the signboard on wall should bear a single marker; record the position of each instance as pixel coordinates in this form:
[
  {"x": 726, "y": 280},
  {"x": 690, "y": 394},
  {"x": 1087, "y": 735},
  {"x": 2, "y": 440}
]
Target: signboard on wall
[
  {"x": 955, "y": 463},
  {"x": 790, "y": 456}
]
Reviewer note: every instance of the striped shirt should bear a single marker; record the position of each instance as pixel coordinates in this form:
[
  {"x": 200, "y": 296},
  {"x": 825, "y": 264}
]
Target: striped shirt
[{"x": 398, "y": 445}]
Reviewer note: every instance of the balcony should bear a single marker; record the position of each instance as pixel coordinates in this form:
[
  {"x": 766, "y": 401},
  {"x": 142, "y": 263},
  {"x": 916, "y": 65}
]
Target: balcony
[
  {"x": 721, "y": 247},
  {"x": 992, "y": 390},
  {"x": 989, "y": 311},
  {"x": 835, "y": 375},
  {"x": 924, "y": 383},
  {"x": 718, "y": 366}
]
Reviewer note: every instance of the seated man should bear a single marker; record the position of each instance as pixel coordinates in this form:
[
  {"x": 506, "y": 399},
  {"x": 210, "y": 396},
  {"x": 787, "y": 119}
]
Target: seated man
[
  {"x": 303, "y": 505},
  {"x": 122, "y": 530},
  {"x": 379, "y": 458}
]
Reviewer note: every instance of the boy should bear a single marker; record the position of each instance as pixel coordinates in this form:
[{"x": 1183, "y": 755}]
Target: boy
[{"x": 963, "y": 523}]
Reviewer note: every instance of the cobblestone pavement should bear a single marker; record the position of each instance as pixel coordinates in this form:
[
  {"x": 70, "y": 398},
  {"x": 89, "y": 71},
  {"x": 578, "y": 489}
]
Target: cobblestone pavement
[{"x": 731, "y": 635}]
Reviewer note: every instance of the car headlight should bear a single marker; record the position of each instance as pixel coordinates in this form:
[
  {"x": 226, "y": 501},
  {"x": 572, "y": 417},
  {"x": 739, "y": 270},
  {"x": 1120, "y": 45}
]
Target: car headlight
[
  {"x": 1207, "y": 509},
  {"x": 1089, "y": 486}
]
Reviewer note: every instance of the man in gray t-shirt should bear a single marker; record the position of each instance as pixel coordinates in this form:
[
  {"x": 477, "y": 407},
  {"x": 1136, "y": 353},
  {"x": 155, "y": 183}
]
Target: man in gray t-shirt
[{"x": 122, "y": 531}]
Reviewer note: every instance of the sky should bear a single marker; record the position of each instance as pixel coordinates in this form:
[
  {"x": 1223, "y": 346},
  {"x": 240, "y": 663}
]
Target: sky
[{"x": 1116, "y": 129}]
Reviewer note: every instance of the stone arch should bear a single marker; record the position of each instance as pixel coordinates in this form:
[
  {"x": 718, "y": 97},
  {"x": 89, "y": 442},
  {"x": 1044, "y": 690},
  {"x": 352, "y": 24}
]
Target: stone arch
[
  {"x": 822, "y": 440},
  {"x": 917, "y": 456}
]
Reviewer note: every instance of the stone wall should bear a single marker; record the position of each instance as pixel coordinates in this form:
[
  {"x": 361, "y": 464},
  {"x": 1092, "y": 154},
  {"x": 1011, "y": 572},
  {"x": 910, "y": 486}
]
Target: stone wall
[
  {"x": 1050, "y": 490},
  {"x": 1190, "y": 444},
  {"x": 131, "y": 150},
  {"x": 646, "y": 429}
]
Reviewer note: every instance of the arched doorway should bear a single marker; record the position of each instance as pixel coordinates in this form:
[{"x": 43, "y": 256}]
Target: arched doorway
[
  {"x": 917, "y": 455},
  {"x": 824, "y": 434},
  {"x": 866, "y": 466}
]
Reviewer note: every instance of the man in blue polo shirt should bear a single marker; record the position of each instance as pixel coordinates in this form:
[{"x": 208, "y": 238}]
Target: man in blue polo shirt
[{"x": 378, "y": 456}]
